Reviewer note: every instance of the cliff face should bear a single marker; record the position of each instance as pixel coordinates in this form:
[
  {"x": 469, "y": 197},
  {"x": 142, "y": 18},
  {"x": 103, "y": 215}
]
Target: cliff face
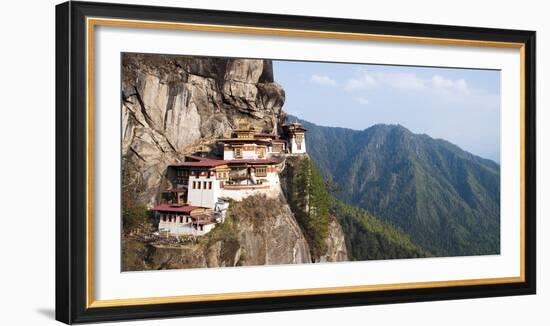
[
  {"x": 267, "y": 232},
  {"x": 336, "y": 243},
  {"x": 173, "y": 105},
  {"x": 309, "y": 199},
  {"x": 258, "y": 231}
]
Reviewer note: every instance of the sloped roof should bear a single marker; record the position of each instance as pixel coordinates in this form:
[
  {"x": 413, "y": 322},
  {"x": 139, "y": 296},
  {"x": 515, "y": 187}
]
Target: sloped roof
[
  {"x": 263, "y": 134},
  {"x": 177, "y": 208},
  {"x": 207, "y": 162},
  {"x": 252, "y": 161}
]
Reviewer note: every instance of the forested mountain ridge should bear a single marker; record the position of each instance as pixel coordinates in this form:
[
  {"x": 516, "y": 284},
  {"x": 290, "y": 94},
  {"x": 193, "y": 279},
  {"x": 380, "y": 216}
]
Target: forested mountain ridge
[
  {"x": 314, "y": 205},
  {"x": 446, "y": 199},
  {"x": 368, "y": 238}
]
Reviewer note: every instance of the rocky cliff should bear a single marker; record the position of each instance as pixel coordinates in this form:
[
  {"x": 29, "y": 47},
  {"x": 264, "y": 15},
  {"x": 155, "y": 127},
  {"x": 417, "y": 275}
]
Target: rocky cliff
[
  {"x": 173, "y": 105},
  {"x": 336, "y": 243},
  {"x": 257, "y": 231},
  {"x": 309, "y": 199}
]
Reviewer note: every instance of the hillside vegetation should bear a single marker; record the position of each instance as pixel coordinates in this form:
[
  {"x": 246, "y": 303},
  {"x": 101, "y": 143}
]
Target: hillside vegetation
[
  {"x": 313, "y": 205},
  {"x": 446, "y": 199},
  {"x": 367, "y": 238},
  {"x": 309, "y": 200}
]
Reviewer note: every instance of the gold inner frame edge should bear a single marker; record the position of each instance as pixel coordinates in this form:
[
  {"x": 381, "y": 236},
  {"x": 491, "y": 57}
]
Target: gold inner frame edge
[{"x": 92, "y": 22}]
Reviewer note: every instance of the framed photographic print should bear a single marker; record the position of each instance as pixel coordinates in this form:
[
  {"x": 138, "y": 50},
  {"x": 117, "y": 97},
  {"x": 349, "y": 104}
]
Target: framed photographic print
[{"x": 212, "y": 162}]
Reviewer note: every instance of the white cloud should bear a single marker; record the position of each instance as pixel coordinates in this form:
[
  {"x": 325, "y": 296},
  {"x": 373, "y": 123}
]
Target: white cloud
[
  {"x": 449, "y": 85},
  {"x": 323, "y": 80},
  {"x": 362, "y": 100},
  {"x": 403, "y": 81},
  {"x": 435, "y": 86},
  {"x": 362, "y": 82},
  {"x": 408, "y": 81}
]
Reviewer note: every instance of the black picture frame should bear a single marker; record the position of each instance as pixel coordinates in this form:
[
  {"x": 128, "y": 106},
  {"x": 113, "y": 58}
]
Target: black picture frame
[{"x": 71, "y": 158}]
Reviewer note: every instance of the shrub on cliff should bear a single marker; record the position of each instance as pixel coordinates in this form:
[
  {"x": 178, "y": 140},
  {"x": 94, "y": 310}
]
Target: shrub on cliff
[{"x": 134, "y": 216}]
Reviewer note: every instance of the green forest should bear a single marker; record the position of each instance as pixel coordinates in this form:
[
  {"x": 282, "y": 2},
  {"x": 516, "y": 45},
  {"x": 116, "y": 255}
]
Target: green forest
[
  {"x": 446, "y": 200},
  {"x": 366, "y": 236}
]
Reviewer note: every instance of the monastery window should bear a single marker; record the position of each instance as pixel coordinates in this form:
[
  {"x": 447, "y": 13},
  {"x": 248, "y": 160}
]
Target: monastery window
[
  {"x": 260, "y": 172},
  {"x": 238, "y": 152},
  {"x": 194, "y": 185},
  {"x": 209, "y": 184},
  {"x": 182, "y": 173},
  {"x": 181, "y": 219},
  {"x": 261, "y": 152},
  {"x": 198, "y": 185},
  {"x": 204, "y": 184},
  {"x": 164, "y": 218}
]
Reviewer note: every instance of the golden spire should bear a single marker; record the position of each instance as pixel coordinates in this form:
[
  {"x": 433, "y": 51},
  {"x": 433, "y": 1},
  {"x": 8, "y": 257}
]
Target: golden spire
[{"x": 243, "y": 124}]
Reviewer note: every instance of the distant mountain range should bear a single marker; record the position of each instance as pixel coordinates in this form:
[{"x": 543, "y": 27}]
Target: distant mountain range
[{"x": 446, "y": 199}]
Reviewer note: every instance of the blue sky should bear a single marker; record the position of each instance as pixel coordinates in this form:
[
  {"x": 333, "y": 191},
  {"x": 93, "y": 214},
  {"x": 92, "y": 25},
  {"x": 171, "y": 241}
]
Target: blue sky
[{"x": 458, "y": 105}]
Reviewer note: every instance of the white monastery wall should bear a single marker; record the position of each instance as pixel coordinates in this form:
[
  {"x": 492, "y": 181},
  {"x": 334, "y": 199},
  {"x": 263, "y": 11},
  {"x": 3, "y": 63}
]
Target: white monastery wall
[
  {"x": 273, "y": 189},
  {"x": 177, "y": 228},
  {"x": 204, "y": 197},
  {"x": 228, "y": 155},
  {"x": 294, "y": 146}
]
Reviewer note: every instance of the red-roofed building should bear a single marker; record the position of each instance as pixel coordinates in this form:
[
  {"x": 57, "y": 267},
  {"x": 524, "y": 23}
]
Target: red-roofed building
[
  {"x": 183, "y": 209},
  {"x": 184, "y": 219},
  {"x": 248, "y": 167},
  {"x": 200, "y": 182},
  {"x": 248, "y": 143}
]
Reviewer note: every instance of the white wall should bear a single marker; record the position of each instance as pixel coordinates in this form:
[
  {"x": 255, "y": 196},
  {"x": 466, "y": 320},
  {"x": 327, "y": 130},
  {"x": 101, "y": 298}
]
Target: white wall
[
  {"x": 177, "y": 228},
  {"x": 27, "y": 136},
  {"x": 294, "y": 145},
  {"x": 203, "y": 197},
  {"x": 228, "y": 155}
]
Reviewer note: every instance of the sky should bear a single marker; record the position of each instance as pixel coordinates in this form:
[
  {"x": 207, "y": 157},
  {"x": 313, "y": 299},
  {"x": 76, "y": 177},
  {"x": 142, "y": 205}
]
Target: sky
[{"x": 459, "y": 105}]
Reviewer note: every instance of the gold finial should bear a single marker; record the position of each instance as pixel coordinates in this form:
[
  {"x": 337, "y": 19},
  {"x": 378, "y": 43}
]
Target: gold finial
[{"x": 243, "y": 124}]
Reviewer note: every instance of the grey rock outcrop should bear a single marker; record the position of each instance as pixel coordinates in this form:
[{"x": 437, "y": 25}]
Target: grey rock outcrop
[
  {"x": 336, "y": 243},
  {"x": 259, "y": 231},
  {"x": 274, "y": 238},
  {"x": 173, "y": 105}
]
